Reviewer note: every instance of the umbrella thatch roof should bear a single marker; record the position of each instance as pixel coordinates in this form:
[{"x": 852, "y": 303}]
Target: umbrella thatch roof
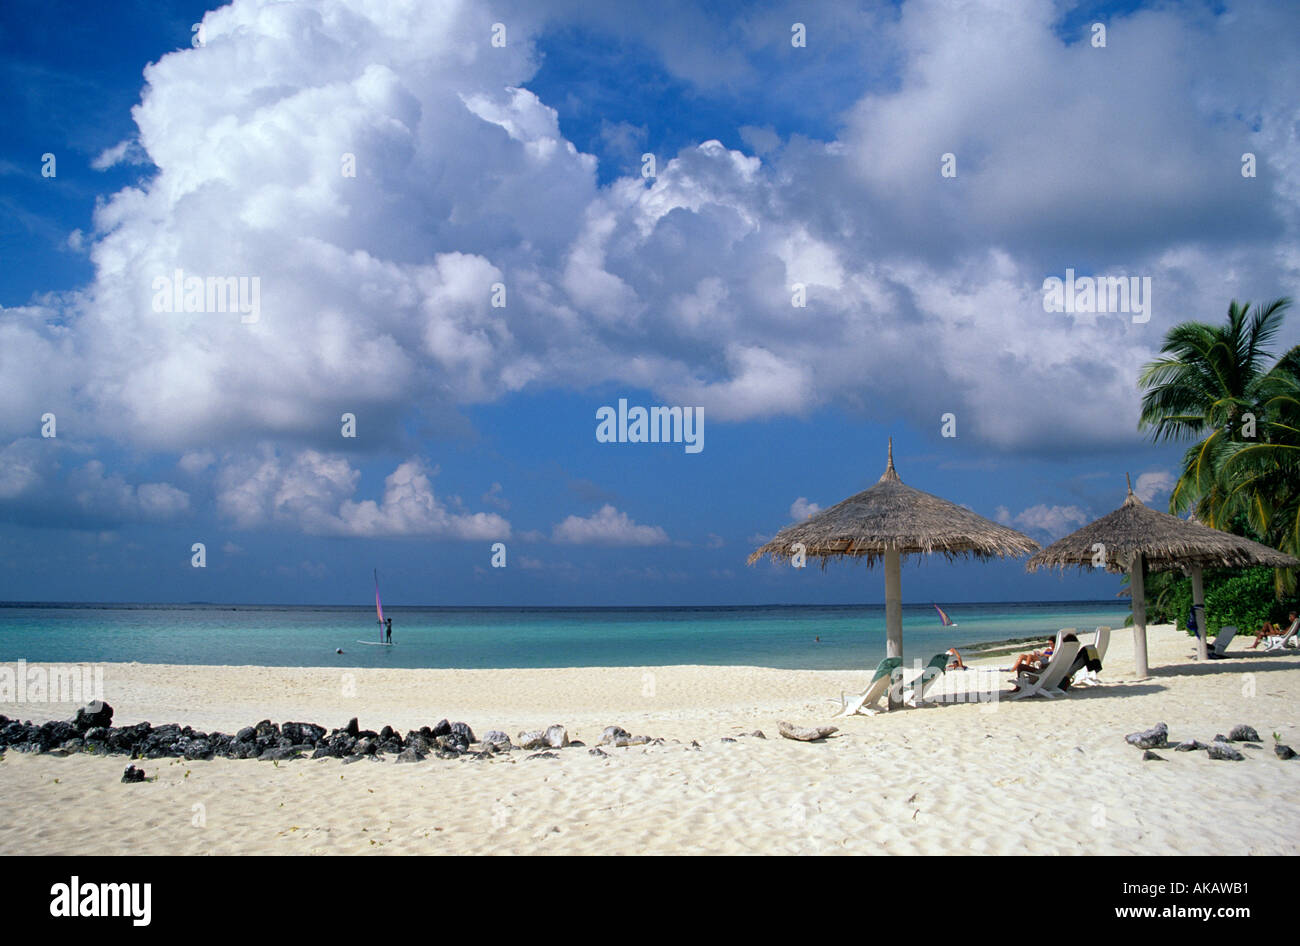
[
  {"x": 1166, "y": 541},
  {"x": 892, "y": 516}
]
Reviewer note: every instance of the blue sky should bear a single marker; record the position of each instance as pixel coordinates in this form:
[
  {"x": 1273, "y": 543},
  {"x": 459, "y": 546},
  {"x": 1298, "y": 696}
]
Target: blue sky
[{"x": 520, "y": 166}]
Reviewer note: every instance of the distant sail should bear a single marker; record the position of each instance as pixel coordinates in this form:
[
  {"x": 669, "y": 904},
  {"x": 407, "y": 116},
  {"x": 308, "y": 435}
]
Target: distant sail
[
  {"x": 379, "y": 607},
  {"x": 943, "y": 618}
]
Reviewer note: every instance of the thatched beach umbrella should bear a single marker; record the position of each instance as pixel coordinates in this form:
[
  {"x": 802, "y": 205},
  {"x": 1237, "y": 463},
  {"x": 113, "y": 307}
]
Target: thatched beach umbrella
[
  {"x": 888, "y": 521},
  {"x": 1134, "y": 536}
]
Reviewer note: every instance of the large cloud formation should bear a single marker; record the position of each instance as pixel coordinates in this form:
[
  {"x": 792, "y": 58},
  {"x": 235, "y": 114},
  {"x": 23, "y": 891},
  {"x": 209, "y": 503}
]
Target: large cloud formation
[
  {"x": 313, "y": 492},
  {"x": 923, "y": 293}
]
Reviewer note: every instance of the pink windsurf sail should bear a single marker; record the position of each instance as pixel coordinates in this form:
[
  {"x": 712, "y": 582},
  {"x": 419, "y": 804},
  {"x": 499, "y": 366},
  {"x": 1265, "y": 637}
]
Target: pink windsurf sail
[
  {"x": 379, "y": 607},
  {"x": 943, "y": 618}
]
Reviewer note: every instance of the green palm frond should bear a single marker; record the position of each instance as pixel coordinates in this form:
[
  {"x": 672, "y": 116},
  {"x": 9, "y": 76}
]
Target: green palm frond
[{"x": 1214, "y": 384}]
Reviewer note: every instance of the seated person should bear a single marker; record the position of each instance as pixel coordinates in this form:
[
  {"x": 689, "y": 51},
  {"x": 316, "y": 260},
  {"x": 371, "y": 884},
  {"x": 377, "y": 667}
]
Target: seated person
[
  {"x": 1273, "y": 630},
  {"x": 955, "y": 661},
  {"x": 1268, "y": 630},
  {"x": 1035, "y": 660}
]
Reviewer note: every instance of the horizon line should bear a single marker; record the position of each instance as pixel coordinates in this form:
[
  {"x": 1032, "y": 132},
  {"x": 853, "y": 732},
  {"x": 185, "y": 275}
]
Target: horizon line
[{"x": 526, "y": 607}]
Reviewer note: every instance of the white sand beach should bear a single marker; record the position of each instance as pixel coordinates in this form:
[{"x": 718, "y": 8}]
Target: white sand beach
[{"x": 1037, "y": 776}]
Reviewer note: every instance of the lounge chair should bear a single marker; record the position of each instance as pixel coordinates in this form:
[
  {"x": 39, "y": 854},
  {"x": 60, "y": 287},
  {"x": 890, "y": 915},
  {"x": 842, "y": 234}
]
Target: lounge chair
[
  {"x": 888, "y": 675},
  {"x": 1060, "y": 636},
  {"x": 1100, "y": 643},
  {"x": 1280, "y": 641},
  {"x": 1226, "y": 634},
  {"x": 925, "y": 680},
  {"x": 1048, "y": 681}
]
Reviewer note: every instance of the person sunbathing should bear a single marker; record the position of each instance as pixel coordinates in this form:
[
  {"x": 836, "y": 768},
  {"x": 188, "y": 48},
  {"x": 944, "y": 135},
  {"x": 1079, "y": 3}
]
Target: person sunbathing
[
  {"x": 1268, "y": 630},
  {"x": 955, "y": 661},
  {"x": 1272, "y": 630},
  {"x": 1035, "y": 660}
]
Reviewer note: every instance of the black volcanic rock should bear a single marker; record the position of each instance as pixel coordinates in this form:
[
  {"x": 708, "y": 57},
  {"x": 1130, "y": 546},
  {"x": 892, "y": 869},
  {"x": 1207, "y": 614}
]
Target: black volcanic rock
[
  {"x": 93, "y": 714},
  {"x": 15, "y": 733},
  {"x": 55, "y": 733},
  {"x": 342, "y": 745},
  {"x": 68, "y": 747},
  {"x": 463, "y": 730},
  {"x": 1224, "y": 752},
  {"x": 453, "y": 741},
  {"x": 293, "y": 732},
  {"x": 128, "y": 738},
  {"x": 1157, "y": 737}
]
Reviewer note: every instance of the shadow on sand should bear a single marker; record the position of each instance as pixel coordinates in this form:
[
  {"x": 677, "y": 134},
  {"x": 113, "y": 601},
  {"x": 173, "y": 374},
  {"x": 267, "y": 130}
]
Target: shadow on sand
[
  {"x": 1004, "y": 695},
  {"x": 1233, "y": 663}
]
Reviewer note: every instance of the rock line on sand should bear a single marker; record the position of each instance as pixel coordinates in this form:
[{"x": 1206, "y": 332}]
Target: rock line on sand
[
  {"x": 91, "y": 731},
  {"x": 1157, "y": 737}
]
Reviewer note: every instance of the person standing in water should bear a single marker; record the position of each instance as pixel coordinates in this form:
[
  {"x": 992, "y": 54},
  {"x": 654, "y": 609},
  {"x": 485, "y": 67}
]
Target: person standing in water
[{"x": 388, "y": 630}]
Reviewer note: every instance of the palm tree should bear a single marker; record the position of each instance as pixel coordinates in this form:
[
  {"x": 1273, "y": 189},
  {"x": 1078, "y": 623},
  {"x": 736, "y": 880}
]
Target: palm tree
[
  {"x": 1215, "y": 383},
  {"x": 1262, "y": 477}
]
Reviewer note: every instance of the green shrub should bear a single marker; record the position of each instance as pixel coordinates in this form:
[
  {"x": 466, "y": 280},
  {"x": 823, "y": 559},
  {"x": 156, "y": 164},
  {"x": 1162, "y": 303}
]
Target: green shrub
[
  {"x": 1180, "y": 603},
  {"x": 1244, "y": 599}
]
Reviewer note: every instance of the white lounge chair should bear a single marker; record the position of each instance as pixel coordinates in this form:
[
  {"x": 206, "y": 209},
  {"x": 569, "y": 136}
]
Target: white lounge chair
[
  {"x": 1100, "y": 643},
  {"x": 1048, "y": 681},
  {"x": 1225, "y": 635},
  {"x": 887, "y": 677},
  {"x": 1060, "y": 634},
  {"x": 1280, "y": 641}
]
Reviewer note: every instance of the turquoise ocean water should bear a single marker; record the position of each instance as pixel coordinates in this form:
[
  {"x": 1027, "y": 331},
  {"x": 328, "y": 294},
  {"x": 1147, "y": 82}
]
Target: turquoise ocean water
[{"x": 775, "y": 636}]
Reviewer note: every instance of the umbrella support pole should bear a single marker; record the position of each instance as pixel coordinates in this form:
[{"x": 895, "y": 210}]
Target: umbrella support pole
[
  {"x": 1137, "y": 587},
  {"x": 893, "y": 607},
  {"x": 1198, "y": 609}
]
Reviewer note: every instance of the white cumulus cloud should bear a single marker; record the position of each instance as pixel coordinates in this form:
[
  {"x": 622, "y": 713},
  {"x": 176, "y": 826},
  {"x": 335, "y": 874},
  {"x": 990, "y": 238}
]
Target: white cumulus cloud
[
  {"x": 607, "y": 526},
  {"x": 312, "y": 491},
  {"x": 1053, "y": 521},
  {"x": 802, "y": 508},
  {"x": 1154, "y": 483},
  {"x": 920, "y": 294}
]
